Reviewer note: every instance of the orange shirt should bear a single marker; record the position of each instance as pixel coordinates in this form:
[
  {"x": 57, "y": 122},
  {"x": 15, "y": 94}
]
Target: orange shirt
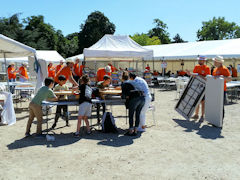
[
  {"x": 51, "y": 72},
  {"x": 113, "y": 69},
  {"x": 202, "y": 70},
  {"x": 101, "y": 73},
  {"x": 81, "y": 70},
  {"x": 76, "y": 69},
  {"x": 23, "y": 72},
  {"x": 65, "y": 71},
  {"x": 182, "y": 73},
  {"x": 222, "y": 71},
  {"x": 234, "y": 72},
  {"x": 155, "y": 73},
  {"x": 58, "y": 67},
  {"x": 10, "y": 74}
]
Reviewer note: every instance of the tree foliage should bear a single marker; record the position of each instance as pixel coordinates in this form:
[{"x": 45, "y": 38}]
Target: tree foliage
[
  {"x": 218, "y": 28},
  {"x": 95, "y": 27},
  {"x": 160, "y": 30},
  {"x": 144, "y": 39},
  {"x": 178, "y": 39}
]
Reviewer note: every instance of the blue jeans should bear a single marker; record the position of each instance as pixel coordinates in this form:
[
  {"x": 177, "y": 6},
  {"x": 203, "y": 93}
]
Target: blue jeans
[
  {"x": 12, "y": 88},
  {"x": 135, "y": 106}
]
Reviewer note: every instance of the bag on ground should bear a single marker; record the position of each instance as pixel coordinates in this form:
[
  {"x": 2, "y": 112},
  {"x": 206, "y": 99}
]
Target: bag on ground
[{"x": 108, "y": 123}]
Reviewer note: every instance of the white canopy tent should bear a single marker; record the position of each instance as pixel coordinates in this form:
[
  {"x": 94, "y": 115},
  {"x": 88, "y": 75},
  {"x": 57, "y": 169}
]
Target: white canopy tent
[
  {"x": 80, "y": 57},
  {"x": 116, "y": 46},
  {"x": 229, "y": 48},
  {"x": 10, "y": 48}
]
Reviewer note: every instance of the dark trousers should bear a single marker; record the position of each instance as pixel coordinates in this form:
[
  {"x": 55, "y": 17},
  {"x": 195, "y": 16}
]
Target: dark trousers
[
  {"x": 98, "y": 110},
  {"x": 59, "y": 110},
  {"x": 135, "y": 106}
]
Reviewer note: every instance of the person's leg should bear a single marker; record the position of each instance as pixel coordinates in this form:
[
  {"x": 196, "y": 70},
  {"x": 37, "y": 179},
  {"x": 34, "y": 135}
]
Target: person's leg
[
  {"x": 30, "y": 120},
  {"x": 132, "y": 109},
  {"x": 203, "y": 108},
  {"x": 38, "y": 113},
  {"x": 196, "y": 112},
  {"x": 98, "y": 112},
  {"x": 224, "y": 97},
  {"x": 58, "y": 114},
  {"x": 65, "y": 113},
  {"x": 79, "y": 124},
  {"x": 87, "y": 124},
  {"x": 140, "y": 103},
  {"x": 143, "y": 112}
]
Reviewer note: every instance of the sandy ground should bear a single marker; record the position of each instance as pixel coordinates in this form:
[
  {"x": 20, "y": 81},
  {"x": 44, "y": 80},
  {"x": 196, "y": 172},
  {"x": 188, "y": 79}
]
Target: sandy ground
[{"x": 172, "y": 149}]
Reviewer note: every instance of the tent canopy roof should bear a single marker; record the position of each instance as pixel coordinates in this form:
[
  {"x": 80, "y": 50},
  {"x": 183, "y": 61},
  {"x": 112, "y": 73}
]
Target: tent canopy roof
[
  {"x": 12, "y": 48},
  {"x": 116, "y": 46},
  {"x": 229, "y": 48},
  {"x": 49, "y": 56}
]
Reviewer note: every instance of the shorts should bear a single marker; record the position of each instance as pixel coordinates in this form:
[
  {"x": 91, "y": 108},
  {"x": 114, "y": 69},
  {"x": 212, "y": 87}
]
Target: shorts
[{"x": 85, "y": 109}]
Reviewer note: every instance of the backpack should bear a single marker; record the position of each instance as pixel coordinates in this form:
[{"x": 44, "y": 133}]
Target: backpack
[{"x": 108, "y": 123}]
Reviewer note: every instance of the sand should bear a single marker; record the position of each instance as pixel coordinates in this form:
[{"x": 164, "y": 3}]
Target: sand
[{"x": 174, "y": 148}]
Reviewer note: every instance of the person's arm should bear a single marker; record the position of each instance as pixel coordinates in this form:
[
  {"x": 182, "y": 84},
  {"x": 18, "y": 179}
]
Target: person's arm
[{"x": 73, "y": 81}]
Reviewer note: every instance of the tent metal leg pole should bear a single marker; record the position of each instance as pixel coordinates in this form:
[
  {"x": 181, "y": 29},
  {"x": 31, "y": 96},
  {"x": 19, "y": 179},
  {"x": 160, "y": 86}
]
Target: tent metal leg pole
[{"x": 5, "y": 61}]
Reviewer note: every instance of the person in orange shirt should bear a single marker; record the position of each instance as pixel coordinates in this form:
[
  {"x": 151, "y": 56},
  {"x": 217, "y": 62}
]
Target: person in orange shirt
[
  {"x": 113, "y": 69},
  {"x": 76, "y": 70},
  {"x": 23, "y": 73},
  {"x": 102, "y": 72},
  {"x": 67, "y": 72},
  {"x": 82, "y": 68},
  {"x": 12, "y": 76},
  {"x": 182, "y": 73},
  {"x": 59, "y": 66},
  {"x": 51, "y": 70},
  {"x": 234, "y": 71},
  {"x": 202, "y": 70},
  {"x": 221, "y": 71}
]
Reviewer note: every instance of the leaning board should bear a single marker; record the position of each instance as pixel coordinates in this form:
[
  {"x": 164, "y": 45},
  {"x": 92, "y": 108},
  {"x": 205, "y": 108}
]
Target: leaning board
[
  {"x": 214, "y": 100},
  {"x": 191, "y": 97}
]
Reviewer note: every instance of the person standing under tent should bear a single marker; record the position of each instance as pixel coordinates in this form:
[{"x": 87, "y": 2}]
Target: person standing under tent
[
  {"x": 141, "y": 85},
  {"x": 147, "y": 68},
  {"x": 51, "y": 70},
  {"x": 113, "y": 69},
  {"x": 59, "y": 66},
  {"x": 102, "y": 72},
  {"x": 67, "y": 72},
  {"x": 234, "y": 71},
  {"x": 82, "y": 68},
  {"x": 221, "y": 71},
  {"x": 23, "y": 73},
  {"x": 202, "y": 70},
  {"x": 12, "y": 74},
  {"x": 76, "y": 70}
]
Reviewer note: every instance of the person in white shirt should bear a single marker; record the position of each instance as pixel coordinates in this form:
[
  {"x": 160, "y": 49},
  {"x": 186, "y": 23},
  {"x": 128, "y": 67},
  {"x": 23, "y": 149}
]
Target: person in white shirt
[{"x": 141, "y": 85}]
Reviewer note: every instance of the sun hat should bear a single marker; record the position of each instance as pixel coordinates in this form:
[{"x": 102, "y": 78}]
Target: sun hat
[
  {"x": 218, "y": 59},
  {"x": 107, "y": 69},
  {"x": 69, "y": 61},
  {"x": 202, "y": 58}
]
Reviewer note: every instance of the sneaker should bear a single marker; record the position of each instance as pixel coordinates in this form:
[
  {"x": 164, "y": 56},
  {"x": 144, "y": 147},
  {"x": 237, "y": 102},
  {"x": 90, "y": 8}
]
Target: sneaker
[
  {"x": 76, "y": 134},
  {"x": 40, "y": 136},
  {"x": 27, "y": 135},
  {"x": 201, "y": 119},
  {"x": 140, "y": 129},
  {"x": 195, "y": 116}
]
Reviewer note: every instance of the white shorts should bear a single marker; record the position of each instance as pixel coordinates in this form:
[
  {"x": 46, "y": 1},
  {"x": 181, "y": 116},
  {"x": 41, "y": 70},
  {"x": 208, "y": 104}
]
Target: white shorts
[{"x": 85, "y": 109}]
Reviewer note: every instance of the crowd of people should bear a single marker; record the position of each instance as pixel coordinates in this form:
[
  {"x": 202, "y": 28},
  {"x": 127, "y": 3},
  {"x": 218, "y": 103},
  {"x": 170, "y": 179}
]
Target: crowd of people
[{"x": 134, "y": 89}]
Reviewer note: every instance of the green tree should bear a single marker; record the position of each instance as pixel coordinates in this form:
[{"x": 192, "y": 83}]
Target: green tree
[
  {"x": 218, "y": 28},
  {"x": 95, "y": 27},
  {"x": 160, "y": 30},
  {"x": 41, "y": 35},
  {"x": 177, "y": 39},
  {"x": 144, "y": 39}
]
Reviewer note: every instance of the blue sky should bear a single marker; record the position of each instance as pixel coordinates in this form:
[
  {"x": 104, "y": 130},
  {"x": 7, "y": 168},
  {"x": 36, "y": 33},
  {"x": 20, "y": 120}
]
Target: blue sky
[{"x": 130, "y": 16}]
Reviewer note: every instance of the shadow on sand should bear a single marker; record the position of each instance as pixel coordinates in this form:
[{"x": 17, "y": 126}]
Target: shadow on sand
[
  {"x": 63, "y": 139},
  {"x": 206, "y": 131}
]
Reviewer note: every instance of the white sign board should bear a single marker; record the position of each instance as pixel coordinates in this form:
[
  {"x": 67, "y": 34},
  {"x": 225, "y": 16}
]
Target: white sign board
[{"x": 214, "y": 100}]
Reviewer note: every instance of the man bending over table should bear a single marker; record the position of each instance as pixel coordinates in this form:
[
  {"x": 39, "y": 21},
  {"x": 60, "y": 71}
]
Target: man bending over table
[{"x": 35, "y": 106}]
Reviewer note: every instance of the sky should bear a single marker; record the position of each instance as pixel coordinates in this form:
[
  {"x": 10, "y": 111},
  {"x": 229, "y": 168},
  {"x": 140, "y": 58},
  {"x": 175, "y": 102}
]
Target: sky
[{"x": 184, "y": 17}]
